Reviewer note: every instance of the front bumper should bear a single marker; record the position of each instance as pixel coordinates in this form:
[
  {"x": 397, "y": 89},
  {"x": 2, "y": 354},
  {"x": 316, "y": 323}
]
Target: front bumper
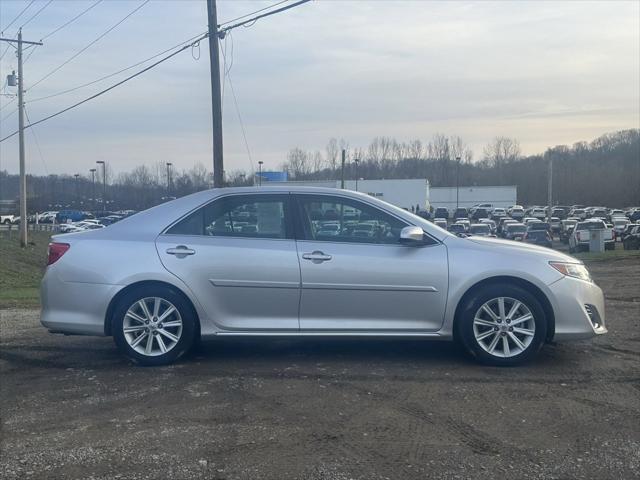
[{"x": 578, "y": 308}]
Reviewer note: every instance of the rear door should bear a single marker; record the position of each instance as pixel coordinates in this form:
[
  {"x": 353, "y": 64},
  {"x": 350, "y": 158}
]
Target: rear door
[
  {"x": 360, "y": 278},
  {"x": 238, "y": 256}
]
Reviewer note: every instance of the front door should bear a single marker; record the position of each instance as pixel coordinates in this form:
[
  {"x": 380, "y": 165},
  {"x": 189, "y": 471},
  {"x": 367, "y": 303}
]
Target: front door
[
  {"x": 238, "y": 256},
  {"x": 356, "y": 276}
]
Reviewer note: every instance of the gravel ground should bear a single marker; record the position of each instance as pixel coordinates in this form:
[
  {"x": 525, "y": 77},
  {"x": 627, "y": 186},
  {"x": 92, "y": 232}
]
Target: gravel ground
[{"x": 72, "y": 407}]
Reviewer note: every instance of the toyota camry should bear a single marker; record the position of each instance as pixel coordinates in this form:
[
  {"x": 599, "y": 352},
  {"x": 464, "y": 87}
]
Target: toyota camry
[{"x": 300, "y": 261}]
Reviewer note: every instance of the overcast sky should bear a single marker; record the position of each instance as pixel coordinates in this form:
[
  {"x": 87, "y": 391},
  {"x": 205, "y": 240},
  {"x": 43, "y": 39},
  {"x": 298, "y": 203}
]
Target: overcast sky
[{"x": 546, "y": 73}]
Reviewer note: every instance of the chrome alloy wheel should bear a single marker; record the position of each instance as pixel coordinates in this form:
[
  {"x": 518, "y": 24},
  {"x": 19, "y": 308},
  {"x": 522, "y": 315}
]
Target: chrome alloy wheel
[
  {"x": 152, "y": 326},
  {"x": 504, "y": 327}
]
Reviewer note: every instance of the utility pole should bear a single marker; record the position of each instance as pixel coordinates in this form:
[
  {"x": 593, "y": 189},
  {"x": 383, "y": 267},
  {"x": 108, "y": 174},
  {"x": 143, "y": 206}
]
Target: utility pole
[
  {"x": 260, "y": 162},
  {"x": 216, "y": 100},
  {"x": 550, "y": 189},
  {"x": 23, "y": 175},
  {"x": 457, "y": 182},
  {"x": 344, "y": 156},
  {"x": 169, "y": 179},
  {"x": 356, "y": 161},
  {"x": 93, "y": 188},
  {"x": 104, "y": 184}
]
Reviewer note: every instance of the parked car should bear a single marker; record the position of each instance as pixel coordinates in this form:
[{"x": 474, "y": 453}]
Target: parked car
[
  {"x": 538, "y": 237},
  {"x": 555, "y": 224},
  {"x": 458, "y": 229},
  {"x": 632, "y": 239},
  {"x": 615, "y": 212},
  {"x": 465, "y": 223},
  {"x": 627, "y": 230},
  {"x": 619, "y": 224},
  {"x": 514, "y": 231},
  {"x": 64, "y": 216},
  {"x": 479, "y": 213},
  {"x": 599, "y": 213},
  {"x": 529, "y": 220},
  {"x": 441, "y": 222},
  {"x": 7, "y": 219},
  {"x": 579, "y": 213},
  {"x": 480, "y": 230},
  {"x": 181, "y": 271},
  {"x": 566, "y": 228},
  {"x": 504, "y": 221},
  {"x": 538, "y": 226},
  {"x": 460, "y": 213},
  {"x": 581, "y": 236},
  {"x": 516, "y": 212},
  {"x": 538, "y": 213},
  {"x": 491, "y": 223},
  {"x": 441, "y": 212},
  {"x": 498, "y": 213}
]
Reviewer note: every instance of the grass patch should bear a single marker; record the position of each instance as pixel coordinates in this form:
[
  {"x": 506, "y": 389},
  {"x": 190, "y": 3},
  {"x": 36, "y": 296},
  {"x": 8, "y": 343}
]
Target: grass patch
[
  {"x": 608, "y": 255},
  {"x": 21, "y": 269}
]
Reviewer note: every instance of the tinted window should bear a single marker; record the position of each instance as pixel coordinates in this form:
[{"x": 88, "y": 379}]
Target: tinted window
[
  {"x": 252, "y": 216},
  {"x": 334, "y": 219}
]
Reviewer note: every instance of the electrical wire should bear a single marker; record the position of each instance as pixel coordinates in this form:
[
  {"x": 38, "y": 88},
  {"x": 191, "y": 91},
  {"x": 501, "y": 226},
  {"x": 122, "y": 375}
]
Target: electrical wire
[
  {"x": 35, "y": 137},
  {"x": 37, "y": 13},
  {"x": 253, "y": 20},
  {"x": 64, "y": 25},
  {"x": 252, "y": 13},
  {"x": 93, "y": 82},
  {"x": 19, "y": 15},
  {"x": 102, "y": 92},
  {"x": 93, "y": 42}
]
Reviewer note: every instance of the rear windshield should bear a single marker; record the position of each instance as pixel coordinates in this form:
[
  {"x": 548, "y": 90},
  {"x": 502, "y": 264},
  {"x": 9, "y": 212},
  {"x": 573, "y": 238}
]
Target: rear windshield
[
  {"x": 516, "y": 228},
  {"x": 537, "y": 234},
  {"x": 479, "y": 229},
  {"x": 456, "y": 228},
  {"x": 591, "y": 226}
]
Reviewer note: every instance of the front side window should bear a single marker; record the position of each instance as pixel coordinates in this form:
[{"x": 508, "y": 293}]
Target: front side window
[
  {"x": 335, "y": 219},
  {"x": 252, "y": 216}
]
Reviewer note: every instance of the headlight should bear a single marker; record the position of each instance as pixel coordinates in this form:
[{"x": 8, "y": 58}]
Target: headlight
[{"x": 575, "y": 270}]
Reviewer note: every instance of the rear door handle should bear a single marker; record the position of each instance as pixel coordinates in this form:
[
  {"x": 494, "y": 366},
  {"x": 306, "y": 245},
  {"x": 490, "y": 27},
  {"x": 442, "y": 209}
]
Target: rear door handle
[
  {"x": 317, "y": 256},
  {"x": 181, "y": 251}
]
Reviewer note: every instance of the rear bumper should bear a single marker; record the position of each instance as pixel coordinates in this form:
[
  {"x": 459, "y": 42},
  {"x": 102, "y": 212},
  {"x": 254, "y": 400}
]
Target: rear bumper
[
  {"x": 579, "y": 309},
  {"x": 73, "y": 307}
]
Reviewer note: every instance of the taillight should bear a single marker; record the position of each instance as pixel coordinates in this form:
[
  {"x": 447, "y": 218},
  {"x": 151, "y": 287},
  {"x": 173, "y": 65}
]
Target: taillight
[{"x": 56, "y": 251}]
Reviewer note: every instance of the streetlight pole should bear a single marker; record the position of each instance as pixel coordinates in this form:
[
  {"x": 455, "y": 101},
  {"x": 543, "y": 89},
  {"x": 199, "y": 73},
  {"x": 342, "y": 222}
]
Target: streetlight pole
[
  {"x": 457, "y": 182},
  {"x": 104, "y": 184},
  {"x": 77, "y": 176},
  {"x": 260, "y": 172},
  {"x": 169, "y": 164},
  {"x": 93, "y": 188},
  {"x": 356, "y": 161}
]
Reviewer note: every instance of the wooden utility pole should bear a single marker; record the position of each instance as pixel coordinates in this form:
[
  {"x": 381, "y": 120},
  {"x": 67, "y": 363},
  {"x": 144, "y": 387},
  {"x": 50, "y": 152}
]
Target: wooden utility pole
[
  {"x": 216, "y": 100},
  {"x": 23, "y": 175},
  {"x": 344, "y": 156}
]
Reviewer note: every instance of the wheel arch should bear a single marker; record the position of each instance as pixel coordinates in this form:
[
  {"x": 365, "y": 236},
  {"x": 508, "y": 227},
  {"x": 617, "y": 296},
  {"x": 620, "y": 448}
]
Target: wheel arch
[
  {"x": 522, "y": 283},
  {"x": 147, "y": 283}
]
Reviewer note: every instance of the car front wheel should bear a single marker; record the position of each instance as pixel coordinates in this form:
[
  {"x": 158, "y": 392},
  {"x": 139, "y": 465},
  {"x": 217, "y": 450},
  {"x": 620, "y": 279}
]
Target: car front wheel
[
  {"x": 154, "y": 326},
  {"x": 502, "y": 325}
]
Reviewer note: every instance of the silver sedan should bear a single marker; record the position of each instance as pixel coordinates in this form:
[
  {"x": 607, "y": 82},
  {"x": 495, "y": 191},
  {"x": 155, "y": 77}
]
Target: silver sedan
[{"x": 310, "y": 262}]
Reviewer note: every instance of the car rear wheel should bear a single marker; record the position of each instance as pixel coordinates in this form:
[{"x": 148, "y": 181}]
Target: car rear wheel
[
  {"x": 154, "y": 325},
  {"x": 502, "y": 325}
]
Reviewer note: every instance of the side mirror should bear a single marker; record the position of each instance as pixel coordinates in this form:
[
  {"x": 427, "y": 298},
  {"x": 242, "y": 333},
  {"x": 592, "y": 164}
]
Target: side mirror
[{"x": 412, "y": 235}]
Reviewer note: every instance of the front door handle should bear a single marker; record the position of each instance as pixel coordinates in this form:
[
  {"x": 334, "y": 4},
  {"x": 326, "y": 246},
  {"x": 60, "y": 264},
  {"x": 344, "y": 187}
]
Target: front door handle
[
  {"x": 317, "y": 256},
  {"x": 181, "y": 251}
]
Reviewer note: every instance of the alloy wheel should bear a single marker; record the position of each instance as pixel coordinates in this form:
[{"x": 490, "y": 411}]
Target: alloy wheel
[
  {"x": 504, "y": 327},
  {"x": 152, "y": 326}
]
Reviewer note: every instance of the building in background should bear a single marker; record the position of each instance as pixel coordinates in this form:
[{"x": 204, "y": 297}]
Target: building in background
[{"x": 504, "y": 196}]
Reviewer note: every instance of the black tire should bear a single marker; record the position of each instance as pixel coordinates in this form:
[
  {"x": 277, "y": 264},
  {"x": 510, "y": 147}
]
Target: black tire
[
  {"x": 185, "y": 309},
  {"x": 465, "y": 324}
]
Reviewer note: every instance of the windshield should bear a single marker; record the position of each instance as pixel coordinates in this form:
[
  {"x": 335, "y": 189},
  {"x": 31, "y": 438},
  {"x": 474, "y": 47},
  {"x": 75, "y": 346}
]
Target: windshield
[
  {"x": 591, "y": 226},
  {"x": 516, "y": 228},
  {"x": 479, "y": 229}
]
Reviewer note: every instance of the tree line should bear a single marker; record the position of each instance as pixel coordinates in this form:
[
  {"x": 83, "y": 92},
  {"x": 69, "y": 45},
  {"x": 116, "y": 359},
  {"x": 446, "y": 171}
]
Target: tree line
[{"x": 604, "y": 172}]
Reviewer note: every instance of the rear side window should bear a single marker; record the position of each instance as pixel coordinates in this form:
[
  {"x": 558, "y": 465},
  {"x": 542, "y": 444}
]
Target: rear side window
[{"x": 251, "y": 216}]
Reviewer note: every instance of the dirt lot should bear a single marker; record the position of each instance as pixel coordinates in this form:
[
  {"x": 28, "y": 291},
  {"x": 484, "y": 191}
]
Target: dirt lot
[{"x": 73, "y": 408}]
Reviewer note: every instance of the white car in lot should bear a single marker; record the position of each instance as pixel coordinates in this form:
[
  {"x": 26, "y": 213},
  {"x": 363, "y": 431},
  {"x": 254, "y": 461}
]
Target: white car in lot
[
  {"x": 161, "y": 279},
  {"x": 581, "y": 236},
  {"x": 498, "y": 213}
]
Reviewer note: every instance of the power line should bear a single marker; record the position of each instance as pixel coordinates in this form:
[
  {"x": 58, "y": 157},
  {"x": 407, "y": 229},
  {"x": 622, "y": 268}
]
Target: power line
[
  {"x": 35, "y": 137},
  {"x": 78, "y": 87},
  {"x": 101, "y": 36},
  {"x": 37, "y": 13},
  {"x": 64, "y": 25},
  {"x": 19, "y": 15},
  {"x": 252, "y": 13},
  {"x": 102, "y": 92},
  {"x": 253, "y": 20}
]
